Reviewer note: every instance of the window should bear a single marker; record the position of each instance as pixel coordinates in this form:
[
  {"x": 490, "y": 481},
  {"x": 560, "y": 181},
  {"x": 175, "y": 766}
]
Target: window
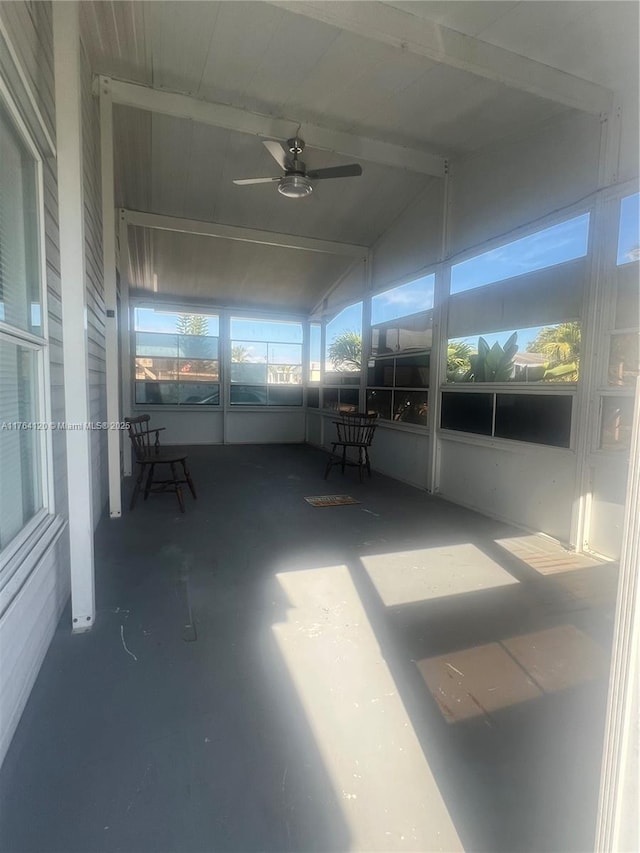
[
  {"x": 629, "y": 230},
  {"x": 401, "y": 335},
  {"x": 343, "y": 350},
  {"x": 536, "y": 418},
  {"x": 266, "y": 362},
  {"x": 542, "y": 354},
  {"x": 404, "y": 300},
  {"x": 623, "y": 345},
  {"x": 176, "y": 358},
  {"x": 565, "y": 241},
  {"x": 616, "y": 423},
  {"x": 22, "y": 345},
  {"x": 402, "y": 374},
  {"x": 315, "y": 352}
]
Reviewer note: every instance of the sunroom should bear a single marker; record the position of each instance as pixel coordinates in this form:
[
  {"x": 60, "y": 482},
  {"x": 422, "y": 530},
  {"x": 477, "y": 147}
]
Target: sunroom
[{"x": 249, "y": 221}]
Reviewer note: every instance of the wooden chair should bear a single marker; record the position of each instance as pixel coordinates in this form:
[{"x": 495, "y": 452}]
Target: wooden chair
[
  {"x": 354, "y": 430},
  {"x": 148, "y": 455}
]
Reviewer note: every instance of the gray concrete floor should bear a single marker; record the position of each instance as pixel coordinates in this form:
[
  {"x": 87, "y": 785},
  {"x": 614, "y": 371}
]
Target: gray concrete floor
[{"x": 207, "y": 709}]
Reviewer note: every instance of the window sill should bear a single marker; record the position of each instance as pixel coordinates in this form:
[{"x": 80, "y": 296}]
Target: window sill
[{"x": 26, "y": 557}]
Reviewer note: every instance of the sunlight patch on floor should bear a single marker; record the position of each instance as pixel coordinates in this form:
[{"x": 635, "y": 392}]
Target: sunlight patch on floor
[
  {"x": 389, "y": 796},
  {"x": 488, "y": 678},
  {"x": 408, "y": 577},
  {"x": 545, "y": 557}
]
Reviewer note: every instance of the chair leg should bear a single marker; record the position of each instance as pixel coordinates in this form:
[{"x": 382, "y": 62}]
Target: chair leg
[
  {"x": 149, "y": 482},
  {"x": 177, "y": 487},
  {"x": 344, "y": 457},
  {"x": 360, "y": 462},
  {"x": 136, "y": 488},
  {"x": 187, "y": 477},
  {"x": 330, "y": 461},
  {"x": 366, "y": 457}
]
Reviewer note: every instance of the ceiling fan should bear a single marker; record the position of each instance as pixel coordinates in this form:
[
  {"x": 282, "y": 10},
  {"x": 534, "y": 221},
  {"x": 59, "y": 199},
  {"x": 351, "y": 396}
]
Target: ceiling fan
[{"x": 297, "y": 182}]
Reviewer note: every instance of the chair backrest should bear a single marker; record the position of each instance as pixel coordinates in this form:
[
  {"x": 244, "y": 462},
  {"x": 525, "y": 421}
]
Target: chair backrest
[
  {"x": 140, "y": 435},
  {"x": 356, "y": 428}
]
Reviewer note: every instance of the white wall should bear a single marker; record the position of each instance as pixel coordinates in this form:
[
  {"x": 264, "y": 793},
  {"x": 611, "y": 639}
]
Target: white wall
[
  {"x": 265, "y": 427},
  {"x": 608, "y": 478},
  {"x": 526, "y": 485},
  {"x": 192, "y": 426}
]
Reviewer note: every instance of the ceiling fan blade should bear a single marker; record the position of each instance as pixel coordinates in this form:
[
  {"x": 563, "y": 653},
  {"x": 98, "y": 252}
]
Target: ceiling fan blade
[
  {"x": 246, "y": 181},
  {"x": 351, "y": 171},
  {"x": 277, "y": 152}
]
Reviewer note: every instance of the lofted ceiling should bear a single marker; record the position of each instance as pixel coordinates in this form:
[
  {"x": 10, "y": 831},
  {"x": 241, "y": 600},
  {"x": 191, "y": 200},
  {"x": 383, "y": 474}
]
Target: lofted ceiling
[{"x": 287, "y": 64}]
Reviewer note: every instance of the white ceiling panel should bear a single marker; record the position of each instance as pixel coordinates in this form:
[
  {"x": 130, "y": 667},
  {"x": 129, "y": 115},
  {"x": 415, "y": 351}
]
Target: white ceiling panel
[
  {"x": 595, "y": 40},
  {"x": 114, "y": 33},
  {"x": 181, "y": 36},
  {"x": 237, "y": 48},
  {"x": 230, "y": 272}
]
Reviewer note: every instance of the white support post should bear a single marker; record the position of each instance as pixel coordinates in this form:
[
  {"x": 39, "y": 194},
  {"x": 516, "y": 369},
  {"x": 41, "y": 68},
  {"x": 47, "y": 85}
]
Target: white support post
[
  {"x": 66, "y": 52},
  {"x": 438, "y": 363},
  {"x": 125, "y": 336},
  {"x": 366, "y": 331},
  {"x": 110, "y": 297}
]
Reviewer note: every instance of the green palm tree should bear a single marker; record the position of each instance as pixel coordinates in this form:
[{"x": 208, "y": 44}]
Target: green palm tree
[
  {"x": 560, "y": 345},
  {"x": 458, "y": 360},
  {"x": 345, "y": 351}
]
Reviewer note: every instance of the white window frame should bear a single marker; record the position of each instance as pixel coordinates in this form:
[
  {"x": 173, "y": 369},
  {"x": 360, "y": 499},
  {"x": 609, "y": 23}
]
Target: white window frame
[{"x": 17, "y": 553}]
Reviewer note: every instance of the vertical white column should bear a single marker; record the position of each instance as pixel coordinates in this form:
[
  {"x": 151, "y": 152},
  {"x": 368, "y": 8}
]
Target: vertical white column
[
  {"x": 125, "y": 337},
  {"x": 110, "y": 295},
  {"x": 438, "y": 362},
  {"x": 66, "y": 53},
  {"x": 366, "y": 330}
]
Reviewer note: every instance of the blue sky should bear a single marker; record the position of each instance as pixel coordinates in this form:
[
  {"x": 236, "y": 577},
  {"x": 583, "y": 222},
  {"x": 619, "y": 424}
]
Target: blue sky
[
  {"x": 561, "y": 242},
  {"x": 629, "y": 235}
]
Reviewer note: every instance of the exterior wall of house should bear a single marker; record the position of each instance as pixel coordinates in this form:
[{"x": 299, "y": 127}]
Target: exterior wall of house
[
  {"x": 28, "y": 623},
  {"x": 30, "y": 615}
]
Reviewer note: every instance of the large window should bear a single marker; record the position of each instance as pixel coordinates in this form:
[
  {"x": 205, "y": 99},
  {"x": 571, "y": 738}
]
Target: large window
[
  {"x": 22, "y": 345},
  {"x": 266, "y": 362},
  {"x": 623, "y": 335},
  {"x": 176, "y": 358},
  {"x": 559, "y": 243},
  {"x": 343, "y": 360},
  {"x": 401, "y": 334},
  {"x": 541, "y": 354}
]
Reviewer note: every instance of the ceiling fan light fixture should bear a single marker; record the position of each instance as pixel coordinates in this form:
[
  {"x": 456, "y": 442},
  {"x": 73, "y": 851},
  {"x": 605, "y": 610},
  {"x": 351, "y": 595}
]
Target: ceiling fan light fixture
[{"x": 295, "y": 186}]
